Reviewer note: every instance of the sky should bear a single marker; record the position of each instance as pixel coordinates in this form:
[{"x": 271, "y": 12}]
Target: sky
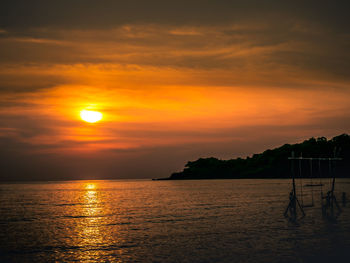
[{"x": 174, "y": 80}]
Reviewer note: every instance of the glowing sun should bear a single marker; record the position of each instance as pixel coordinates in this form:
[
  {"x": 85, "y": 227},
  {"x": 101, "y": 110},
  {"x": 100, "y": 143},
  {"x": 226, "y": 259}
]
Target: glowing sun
[
  {"x": 90, "y": 186},
  {"x": 90, "y": 116}
]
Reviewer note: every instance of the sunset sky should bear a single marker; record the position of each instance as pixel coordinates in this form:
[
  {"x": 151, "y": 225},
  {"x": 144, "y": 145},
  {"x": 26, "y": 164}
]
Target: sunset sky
[{"x": 174, "y": 81}]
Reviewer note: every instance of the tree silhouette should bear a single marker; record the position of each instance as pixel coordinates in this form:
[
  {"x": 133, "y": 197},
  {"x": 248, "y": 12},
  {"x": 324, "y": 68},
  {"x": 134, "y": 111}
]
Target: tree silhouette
[{"x": 271, "y": 163}]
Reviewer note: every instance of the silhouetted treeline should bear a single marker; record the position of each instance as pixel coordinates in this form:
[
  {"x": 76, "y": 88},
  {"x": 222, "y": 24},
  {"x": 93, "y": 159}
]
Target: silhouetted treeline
[{"x": 275, "y": 164}]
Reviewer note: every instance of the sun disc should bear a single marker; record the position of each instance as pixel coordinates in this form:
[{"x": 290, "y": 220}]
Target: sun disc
[
  {"x": 90, "y": 186},
  {"x": 90, "y": 116}
]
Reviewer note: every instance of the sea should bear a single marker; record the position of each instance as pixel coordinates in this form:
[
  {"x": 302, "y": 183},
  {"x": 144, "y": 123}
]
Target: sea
[{"x": 171, "y": 221}]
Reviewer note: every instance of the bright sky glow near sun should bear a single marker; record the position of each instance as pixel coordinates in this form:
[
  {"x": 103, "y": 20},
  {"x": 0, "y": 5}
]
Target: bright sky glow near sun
[{"x": 223, "y": 79}]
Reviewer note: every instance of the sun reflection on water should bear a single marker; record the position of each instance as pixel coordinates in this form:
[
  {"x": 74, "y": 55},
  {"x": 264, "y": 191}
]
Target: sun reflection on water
[
  {"x": 96, "y": 233},
  {"x": 90, "y": 235}
]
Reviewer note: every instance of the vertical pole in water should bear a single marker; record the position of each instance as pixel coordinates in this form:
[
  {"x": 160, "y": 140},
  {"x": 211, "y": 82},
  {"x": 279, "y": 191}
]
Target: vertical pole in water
[
  {"x": 332, "y": 186},
  {"x": 331, "y": 170},
  {"x": 293, "y": 200},
  {"x": 293, "y": 176},
  {"x": 312, "y": 189},
  {"x": 320, "y": 175},
  {"x": 333, "y": 198},
  {"x": 333, "y": 175},
  {"x": 301, "y": 180}
]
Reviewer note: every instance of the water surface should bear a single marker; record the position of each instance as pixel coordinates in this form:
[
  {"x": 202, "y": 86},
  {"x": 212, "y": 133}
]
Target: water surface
[{"x": 167, "y": 221}]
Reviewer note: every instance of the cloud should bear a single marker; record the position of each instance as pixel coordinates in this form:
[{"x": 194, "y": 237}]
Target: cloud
[
  {"x": 108, "y": 13},
  {"x": 175, "y": 81},
  {"x": 269, "y": 51}
]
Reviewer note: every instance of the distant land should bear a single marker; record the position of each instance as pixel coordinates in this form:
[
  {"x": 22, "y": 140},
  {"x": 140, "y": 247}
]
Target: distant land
[{"x": 274, "y": 163}]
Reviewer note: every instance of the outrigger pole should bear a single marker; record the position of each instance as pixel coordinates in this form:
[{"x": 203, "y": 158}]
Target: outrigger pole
[
  {"x": 293, "y": 200},
  {"x": 330, "y": 197}
]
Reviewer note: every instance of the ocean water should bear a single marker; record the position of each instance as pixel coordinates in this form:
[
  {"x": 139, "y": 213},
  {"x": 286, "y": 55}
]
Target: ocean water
[{"x": 168, "y": 221}]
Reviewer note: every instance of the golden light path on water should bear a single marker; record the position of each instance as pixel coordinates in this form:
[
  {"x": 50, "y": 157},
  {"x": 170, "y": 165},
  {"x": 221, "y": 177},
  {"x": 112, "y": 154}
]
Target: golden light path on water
[
  {"x": 90, "y": 235},
  {"x": 91, "y": 218}
]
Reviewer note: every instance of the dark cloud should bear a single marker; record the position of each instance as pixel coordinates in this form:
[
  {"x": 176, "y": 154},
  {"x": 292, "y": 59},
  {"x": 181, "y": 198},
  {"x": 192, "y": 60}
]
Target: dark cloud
[
  {"x": 24, "y": 82},
  {"x": 90, "y": 13},
  {"x": 299, "y": 47}
]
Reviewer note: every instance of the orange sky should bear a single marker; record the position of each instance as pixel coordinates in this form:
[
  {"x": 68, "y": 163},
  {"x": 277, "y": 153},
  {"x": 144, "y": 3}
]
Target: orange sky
[{"x": 181, "y": 89}]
